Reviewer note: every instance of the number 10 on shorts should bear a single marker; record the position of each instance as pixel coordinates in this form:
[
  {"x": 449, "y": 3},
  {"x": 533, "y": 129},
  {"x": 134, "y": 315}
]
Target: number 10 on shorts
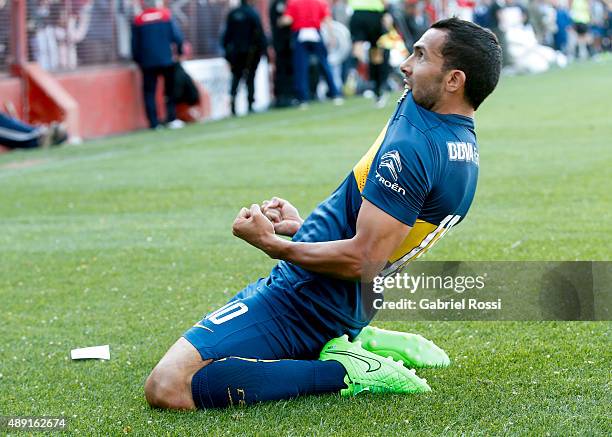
[{"x": 227, "y": 312}]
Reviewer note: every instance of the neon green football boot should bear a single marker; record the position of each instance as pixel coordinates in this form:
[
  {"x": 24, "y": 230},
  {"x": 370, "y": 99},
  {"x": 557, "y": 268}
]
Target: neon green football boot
[
  {"x": 366, "y": 371},
  {"x": 414, "y": 350}
]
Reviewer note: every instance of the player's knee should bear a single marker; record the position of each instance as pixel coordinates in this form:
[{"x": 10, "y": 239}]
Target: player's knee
[
  {"x": 165, "y": 388},
  {"x": 169, "y": 384}
]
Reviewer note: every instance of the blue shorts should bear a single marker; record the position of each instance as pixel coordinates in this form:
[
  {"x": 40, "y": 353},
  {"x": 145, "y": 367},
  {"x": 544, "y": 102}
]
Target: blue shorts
[{"x": 262, "y": 322}]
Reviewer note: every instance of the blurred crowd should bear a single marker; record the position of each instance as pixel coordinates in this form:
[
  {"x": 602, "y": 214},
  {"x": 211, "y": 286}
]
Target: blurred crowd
[
  {"x": 368, "y": 39},
  {"x": 57, "y": 32},
  {"x": 65, "y": 34},
  {"x": 535, "y": 35},
  {"x": 578, "y": 29},
  {"x": 317, "y": 48}
]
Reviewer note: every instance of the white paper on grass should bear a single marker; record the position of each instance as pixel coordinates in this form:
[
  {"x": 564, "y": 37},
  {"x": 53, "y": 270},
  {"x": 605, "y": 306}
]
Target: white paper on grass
[{"x": 94, "y": 352}]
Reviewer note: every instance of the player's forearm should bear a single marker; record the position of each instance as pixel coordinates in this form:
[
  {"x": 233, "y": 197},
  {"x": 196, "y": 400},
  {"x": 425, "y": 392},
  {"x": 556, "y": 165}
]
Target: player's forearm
[
  {"x": 340, "y": 259},
  {"x": 293, "y": 227}
]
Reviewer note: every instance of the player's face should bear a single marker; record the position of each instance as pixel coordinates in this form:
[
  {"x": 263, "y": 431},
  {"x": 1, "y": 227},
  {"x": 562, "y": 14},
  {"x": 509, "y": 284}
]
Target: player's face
[{"x": 423, "y": 69}]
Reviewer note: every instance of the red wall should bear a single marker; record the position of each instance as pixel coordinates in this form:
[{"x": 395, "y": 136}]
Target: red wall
[
  {"x": 110, "y": 99},
  {"x": 107, "y": 100}
]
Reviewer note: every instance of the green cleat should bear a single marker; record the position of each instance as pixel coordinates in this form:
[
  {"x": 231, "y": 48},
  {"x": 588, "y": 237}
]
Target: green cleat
[
  {"x": 414, "y": 350},
  {"x": 366, "y": 371}
]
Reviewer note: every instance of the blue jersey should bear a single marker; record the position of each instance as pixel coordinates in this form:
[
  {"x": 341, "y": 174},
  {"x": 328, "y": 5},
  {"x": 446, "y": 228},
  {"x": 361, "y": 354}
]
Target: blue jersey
[
  {"x": 153, "y": 33},
  {"x": 422, "y": 170}
]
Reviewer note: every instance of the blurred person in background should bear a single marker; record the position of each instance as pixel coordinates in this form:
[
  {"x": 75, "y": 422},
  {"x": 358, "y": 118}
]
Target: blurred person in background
[
  {"x": 283, "y": 68},
  {"x": 495, "y": 8},
  {"x": 124, "y": 14},
  {"x": 416, "y": 21},
  {"x": 306, "y": 18},
  {"x": 70, "y": 29},
  {"x": 244, "y": 43},
  {"x": 581, "y": 15},
  {"x": 395, "y": 52},
  {"x": 535, "y": 14},
  {"x": 481, "y": 13},
  {"x": 511, "y": 9},
  {"x": 463, "y": 9},
  {"x": 526, "y": 53},
  {"x": 366, "y": 26},
  {"x": 508, "y": 13},
  {"x": 98, "y": 45},
  {"x": 431, "y": 11},
  {"x": 607, "y": 41},
  {"x": 44, "y": 42},
  {"x": 154, "y": 34},
  {"x": 341, "y": 13},
  {"x": 599, "y": 15},
  {"x": 15, "y": 134},
  {"x": 564, "y": 27},
  {"x": 543, "y": 20}
]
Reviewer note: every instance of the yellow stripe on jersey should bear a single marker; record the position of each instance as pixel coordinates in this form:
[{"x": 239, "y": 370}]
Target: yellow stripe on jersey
[
  {"x": 421, "y": 238},
  {"x": 423, "y": 234},
  {"x": 362, "y": 168},
  {"x": 417, "y": 234}
]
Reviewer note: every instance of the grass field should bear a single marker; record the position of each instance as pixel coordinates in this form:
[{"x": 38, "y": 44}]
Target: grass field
[{"x": 127, "y": 241}]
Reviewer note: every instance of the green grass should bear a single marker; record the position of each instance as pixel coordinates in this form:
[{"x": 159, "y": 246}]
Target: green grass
[{"x": 127, "y": 241}]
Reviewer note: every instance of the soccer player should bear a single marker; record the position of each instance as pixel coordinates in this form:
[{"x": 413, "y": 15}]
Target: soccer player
[{"x": 415, "y": 183}]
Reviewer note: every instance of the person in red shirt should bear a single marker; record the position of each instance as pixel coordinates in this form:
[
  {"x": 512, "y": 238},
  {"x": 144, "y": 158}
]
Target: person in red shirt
[{"x": 305, "y": 18}]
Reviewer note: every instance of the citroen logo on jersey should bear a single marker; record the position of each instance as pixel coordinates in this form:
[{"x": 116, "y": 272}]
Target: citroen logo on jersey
[{"x": 391, "y": 161}]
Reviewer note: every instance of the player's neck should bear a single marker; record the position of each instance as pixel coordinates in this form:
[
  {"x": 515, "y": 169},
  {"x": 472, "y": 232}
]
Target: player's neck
[{"x": 453, "y": 105}]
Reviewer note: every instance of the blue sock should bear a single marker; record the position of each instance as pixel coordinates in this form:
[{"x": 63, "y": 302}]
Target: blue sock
[{"x": 240, "y": 381}]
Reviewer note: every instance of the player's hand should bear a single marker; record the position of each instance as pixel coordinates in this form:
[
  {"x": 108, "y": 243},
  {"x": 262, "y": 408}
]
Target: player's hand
[
  {"x": 252, "y": 226},
  {"x": 283, "y": 215}
]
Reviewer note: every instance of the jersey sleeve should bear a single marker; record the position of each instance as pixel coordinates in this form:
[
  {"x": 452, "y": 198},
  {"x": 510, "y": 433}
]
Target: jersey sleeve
[
  {"x": 177, "y": 36},
  {"x": 400, "y": 177}
]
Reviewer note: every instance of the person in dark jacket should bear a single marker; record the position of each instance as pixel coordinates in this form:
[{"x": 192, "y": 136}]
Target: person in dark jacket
[
  {"x": 154, "y": 32},
  {"x": 281, "y": 41},
  {"x": 244, "y": 43}
]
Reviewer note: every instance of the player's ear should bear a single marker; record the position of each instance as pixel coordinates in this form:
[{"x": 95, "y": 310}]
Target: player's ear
[{"x": 455, "y": 81}]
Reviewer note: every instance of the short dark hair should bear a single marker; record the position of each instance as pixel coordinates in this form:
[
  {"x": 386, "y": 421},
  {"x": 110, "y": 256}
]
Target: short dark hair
[{"x": 475, "y": 51}]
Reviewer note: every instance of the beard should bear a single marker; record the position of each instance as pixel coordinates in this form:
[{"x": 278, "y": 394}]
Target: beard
[{"x": 427, "y": 96}]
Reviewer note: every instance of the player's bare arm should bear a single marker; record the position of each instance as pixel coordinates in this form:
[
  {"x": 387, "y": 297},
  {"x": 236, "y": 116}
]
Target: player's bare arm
[{"x": 359, "y": 258}]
